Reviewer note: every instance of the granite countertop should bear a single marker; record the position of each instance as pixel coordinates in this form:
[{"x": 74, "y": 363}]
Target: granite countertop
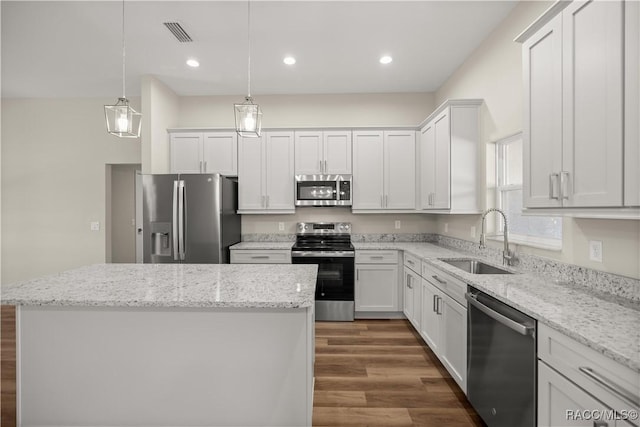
[
  {"x": 608, "y": 327},
  {"x": 262, "y": 245},
  {"x": 171, "y": 285}
]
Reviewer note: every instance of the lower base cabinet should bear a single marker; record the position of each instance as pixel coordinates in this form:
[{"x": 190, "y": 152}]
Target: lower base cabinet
[
  {"x": 562, "y": 403},
  {"x": 412, "y": 297},
  {"x": 377, "y": 293}
]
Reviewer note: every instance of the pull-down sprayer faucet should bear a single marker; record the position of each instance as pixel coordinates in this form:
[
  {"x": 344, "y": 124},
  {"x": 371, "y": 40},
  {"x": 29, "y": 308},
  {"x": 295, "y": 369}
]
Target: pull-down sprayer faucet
[{"x": 508, "y": 256}]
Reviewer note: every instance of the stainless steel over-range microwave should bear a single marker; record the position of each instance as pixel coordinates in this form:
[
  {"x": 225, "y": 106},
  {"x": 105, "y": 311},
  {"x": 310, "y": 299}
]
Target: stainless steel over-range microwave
[{"x": 323, "y": 190}]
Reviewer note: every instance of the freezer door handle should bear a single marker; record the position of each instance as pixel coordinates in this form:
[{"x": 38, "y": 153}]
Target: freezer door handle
[
  {"x": 174, "y": 221},
  {"x": 182, "y": 211}
]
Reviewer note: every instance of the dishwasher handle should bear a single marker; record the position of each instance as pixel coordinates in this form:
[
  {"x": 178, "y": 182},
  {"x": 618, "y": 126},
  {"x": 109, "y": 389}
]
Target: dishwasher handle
[{"x": 509, "y": 323}]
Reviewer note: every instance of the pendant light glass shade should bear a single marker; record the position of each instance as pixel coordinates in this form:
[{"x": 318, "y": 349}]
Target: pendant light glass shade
[
  {"x": 248, "y": 118},
  {"x": 248, "y": 115},
  {"x": 122, "y": 120}
]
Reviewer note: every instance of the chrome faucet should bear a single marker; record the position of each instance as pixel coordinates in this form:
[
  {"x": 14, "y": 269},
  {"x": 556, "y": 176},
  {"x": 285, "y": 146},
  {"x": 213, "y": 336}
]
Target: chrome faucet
[{"x": 508, "y": 256}]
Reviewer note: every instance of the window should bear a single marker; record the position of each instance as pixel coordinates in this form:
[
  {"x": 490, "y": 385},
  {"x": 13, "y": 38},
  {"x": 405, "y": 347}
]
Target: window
[{"x": 539, "y": 231}]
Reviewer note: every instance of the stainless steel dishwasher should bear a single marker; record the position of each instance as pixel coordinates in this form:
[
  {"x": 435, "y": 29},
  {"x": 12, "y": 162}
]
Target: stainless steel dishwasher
[{"x": 501, "y": 362}]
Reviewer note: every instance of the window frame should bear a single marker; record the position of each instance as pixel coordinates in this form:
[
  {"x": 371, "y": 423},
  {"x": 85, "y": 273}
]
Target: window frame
[{"x": 502, "y": 172}]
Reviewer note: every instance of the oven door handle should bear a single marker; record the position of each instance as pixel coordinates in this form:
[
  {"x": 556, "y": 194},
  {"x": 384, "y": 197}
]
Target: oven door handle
[
  {"x": 509, "y": 323},
  {"x": 323, "y": 254}
]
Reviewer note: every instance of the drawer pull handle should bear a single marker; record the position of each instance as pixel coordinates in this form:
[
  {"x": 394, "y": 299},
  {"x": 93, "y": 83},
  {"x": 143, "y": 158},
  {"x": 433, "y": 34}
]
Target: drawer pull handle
[
  {"x": 444, "y": 282},
  {"x": 610, "y": 385},
  {"x": 377, "y": 257},
  {"x": 600, "y": 424},
  {"x": 260, "y": 257}
]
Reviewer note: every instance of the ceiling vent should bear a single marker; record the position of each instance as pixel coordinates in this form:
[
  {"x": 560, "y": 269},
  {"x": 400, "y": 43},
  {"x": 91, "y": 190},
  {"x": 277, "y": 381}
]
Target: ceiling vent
[{"x": 179, "y": 32}]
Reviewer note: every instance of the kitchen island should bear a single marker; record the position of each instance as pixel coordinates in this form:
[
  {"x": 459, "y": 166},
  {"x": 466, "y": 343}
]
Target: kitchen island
[{"x": 166, "y": 345}]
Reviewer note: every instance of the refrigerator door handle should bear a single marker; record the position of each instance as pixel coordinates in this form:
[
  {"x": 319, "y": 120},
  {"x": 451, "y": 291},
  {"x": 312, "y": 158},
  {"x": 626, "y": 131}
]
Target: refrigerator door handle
[
  {"x": 174, "y": 221},
  {"x": 182, "y": 214}
]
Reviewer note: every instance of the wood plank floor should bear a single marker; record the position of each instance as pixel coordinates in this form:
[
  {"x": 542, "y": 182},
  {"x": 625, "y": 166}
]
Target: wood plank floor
[
  {"x": 379, "y": 373},
  {"x": 368, "y": 373}
]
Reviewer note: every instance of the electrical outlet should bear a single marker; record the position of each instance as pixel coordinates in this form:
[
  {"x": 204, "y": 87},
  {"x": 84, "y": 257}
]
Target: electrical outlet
[
  {"x": 397, "y": 225},
  {"x": 95, "y": 226},
  {"x": 446, "y": 227},
  {"x": 281, "y": 226},
  {"x": 595, "y": 250},
  {"x": 473, "y": 231}
]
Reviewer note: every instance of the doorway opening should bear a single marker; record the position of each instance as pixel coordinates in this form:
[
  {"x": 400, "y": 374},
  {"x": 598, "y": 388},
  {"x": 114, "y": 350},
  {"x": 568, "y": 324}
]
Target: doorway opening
[{"x": 122, "y": 226}]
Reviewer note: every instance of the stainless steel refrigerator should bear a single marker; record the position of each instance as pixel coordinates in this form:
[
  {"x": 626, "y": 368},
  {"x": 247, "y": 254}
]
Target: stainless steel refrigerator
[{"x": 189, "y": 218}]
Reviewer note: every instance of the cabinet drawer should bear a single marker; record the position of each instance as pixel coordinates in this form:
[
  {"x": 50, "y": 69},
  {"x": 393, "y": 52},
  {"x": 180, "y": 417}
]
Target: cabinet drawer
[
  {"x": 272, "y": 256},
  {"x": 376, "y": 257},
  {"x": 448, "y": 284},
  {"x": 412, "y": 262},
  {"x": 591, "y": 370}
]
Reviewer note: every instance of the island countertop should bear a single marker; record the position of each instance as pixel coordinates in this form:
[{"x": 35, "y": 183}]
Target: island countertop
[{"x": 171, "y": 285}]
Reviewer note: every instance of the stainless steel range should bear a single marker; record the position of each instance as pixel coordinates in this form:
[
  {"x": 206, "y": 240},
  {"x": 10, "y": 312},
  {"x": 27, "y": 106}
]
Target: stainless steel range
[{"x": 328, "y": 244}]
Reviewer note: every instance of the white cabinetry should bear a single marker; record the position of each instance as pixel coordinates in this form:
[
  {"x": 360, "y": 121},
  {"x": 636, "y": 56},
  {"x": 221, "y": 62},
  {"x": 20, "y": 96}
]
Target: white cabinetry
[
  {"x": 376, "y": 287},
  {"x": 260, "y": 256},
  {"x": 384, "y": 170},
  {"x": 632, "y": 105},
  {"x": 449, "y": 158},
  {"x": 204, "y": 152},
  {"x": 323, "y": 152},
  {"x": 573, "y": 377},
  {"x": 265, "y": 173},
  {"x": 574, "y": 69},
  {"x": 412, "y": 290},
  {"x": 444, "y": 321}
]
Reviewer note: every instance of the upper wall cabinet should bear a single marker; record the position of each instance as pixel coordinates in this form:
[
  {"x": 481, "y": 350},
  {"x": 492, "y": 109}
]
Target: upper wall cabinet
[
  {"x": 322, "y": 152},
  {"x": 265, "y": 174},
  {"x": 632, "y": 105},
  {"x": 573, "y": 130},
  {"x": 449, "y": 159},
  {"x": 204, "y": 152},
  {"x": 384, "y": 171}
]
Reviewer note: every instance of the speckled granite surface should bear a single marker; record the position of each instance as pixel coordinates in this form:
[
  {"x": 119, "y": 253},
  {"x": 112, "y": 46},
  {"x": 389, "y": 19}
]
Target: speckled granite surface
[
  {"x": 171, "y": 285},
  {"x": 610, "y": 328},
  {"x": 263, "y": 245}
]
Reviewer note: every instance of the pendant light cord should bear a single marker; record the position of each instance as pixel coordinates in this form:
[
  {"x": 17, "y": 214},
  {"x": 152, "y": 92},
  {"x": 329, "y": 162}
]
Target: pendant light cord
[
  {"x": 249, "y": 48},
  {"x": 123, "y": 51}
]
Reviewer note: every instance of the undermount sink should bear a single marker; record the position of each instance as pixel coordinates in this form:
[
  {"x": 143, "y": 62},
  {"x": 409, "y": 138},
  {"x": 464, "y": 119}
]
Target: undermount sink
[{"x": 474, "y": 266}]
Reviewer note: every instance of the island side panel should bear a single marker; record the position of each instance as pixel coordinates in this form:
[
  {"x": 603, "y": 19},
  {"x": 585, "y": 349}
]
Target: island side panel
[{"x": 164, "y": 367}]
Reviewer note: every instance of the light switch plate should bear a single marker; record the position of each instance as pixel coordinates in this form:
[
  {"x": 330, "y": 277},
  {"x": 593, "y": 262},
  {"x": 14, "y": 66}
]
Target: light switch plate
[
  {"x": 446, "y": 227},
  {"x": 95, "y": 226},
  {"x": 397, "y": 225},
  {"x": 595, "y": 250},
  {"x": 472, "y": 233}
]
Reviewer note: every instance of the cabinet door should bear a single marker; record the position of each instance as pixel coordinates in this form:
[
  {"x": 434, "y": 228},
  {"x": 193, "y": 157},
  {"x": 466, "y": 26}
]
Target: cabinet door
[
  {"x": 409, "y": 293},
  {"x": 337, "y": 152},
  {"x": 376, "y": 287},
  {"x": 186, "y": 152},
  {"x": 442, "y": 159},
  {"x": 308, "y": 152},
  {"x": 251, "y": 174},
  {"x": 427, "y": 166},
  {"x": 279, "y": 158},
  {"x": 632, "y": 104},
  {"x": 368, "y": 164},
  {"x": 592, "y": 104},
  {"x": 454, "y": 340},
  {"x": 399, "y": 170},
  {"x": 542, "y": 126},
  {"x": 430, "y": 320},
  {"x": 220, "y": 153},
  {"x": 559, "y": 398}
]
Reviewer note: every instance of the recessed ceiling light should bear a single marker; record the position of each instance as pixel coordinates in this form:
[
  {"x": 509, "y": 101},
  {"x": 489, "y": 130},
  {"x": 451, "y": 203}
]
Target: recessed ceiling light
[
  {"x": 386, "y": 59},
  {"x": 193, "y": 63},
  {"x": 289, "y": 60}
]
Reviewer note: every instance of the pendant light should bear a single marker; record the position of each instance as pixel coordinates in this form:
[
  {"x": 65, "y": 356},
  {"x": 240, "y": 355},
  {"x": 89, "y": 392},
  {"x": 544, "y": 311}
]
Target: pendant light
[
  {"x": 122, "y": 120},
  {"x": 248, "y": 115}
]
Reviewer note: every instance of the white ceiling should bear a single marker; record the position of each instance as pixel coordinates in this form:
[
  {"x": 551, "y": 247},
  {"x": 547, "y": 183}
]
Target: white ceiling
[{"x": 69, "y": 49}]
